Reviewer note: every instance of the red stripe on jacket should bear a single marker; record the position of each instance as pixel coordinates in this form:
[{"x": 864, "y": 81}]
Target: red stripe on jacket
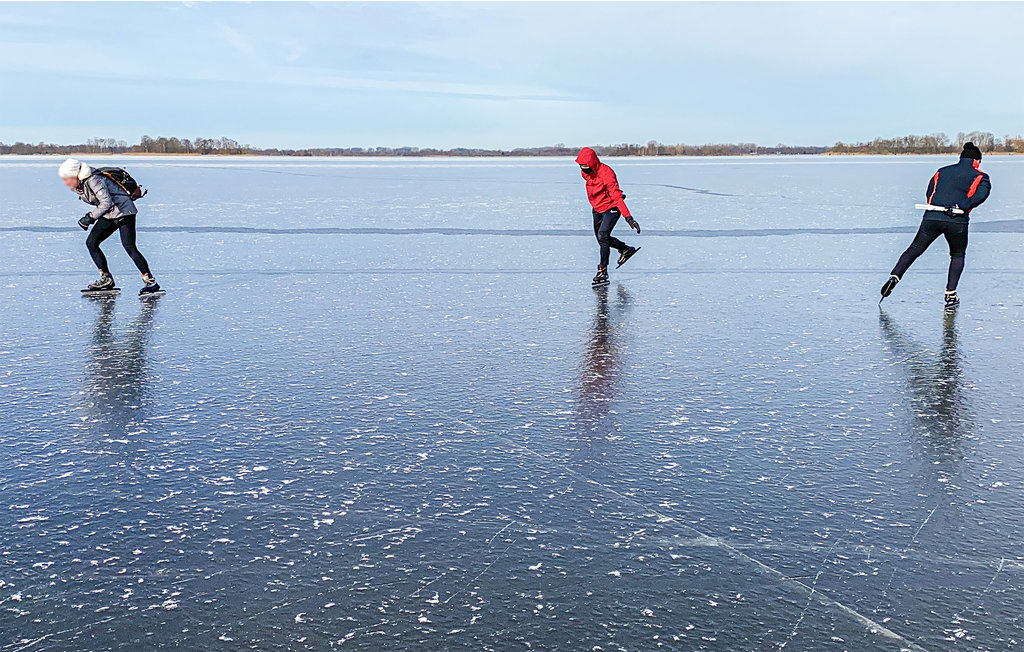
[
  {"x": 974, "y": 186},
  {"x": 935, "y": 186}
]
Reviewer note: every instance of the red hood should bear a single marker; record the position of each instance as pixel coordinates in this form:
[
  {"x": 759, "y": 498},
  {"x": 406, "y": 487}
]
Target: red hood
[{"x": 589, "y": 158}]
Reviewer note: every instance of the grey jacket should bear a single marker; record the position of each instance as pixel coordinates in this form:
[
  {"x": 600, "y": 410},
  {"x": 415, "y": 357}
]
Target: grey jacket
[{"x": 110, "y": 200}]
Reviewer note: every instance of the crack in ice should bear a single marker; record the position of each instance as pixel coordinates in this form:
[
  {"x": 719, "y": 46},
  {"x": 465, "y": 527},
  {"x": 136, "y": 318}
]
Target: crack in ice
[{"x": 820, "y": 598}]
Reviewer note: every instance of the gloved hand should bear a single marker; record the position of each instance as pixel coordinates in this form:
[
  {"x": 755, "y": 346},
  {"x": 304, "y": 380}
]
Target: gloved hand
[
  {"x": 954, "y": 211},
  {"x": 86, "y": 221},
  {"x": 633, "y": 224}
]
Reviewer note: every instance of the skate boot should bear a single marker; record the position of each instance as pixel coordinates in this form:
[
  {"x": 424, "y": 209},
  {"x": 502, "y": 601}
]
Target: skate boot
[
  {"x": 601, "y": 277},
  {"x": 952, "y": 299},
  {"x": 626, "y": 255},
  {"x": 150, "y": 287},
  {"x": 889, "y": 285},
  {"x": 103, "y": 285}
]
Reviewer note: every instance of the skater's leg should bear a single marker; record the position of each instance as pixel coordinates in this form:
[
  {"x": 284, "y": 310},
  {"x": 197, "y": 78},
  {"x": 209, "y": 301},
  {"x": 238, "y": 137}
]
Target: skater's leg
[
  {"x": 603, "y": 225},
  {"x": 613, "y": 242},
  {"x": 616, "y": 244},
  {"x": 127, "y": 230},
  {"x": 925, "y": 236},
  {"x": 956, "y": 237},
  {"x": 102, "y": 230},
  {"x": 598, "y": 222},
  {"x": 956, "y": 268}
]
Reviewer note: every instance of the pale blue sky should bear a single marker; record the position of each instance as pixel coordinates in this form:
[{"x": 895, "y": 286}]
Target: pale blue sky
[{"x": 506, "y": 75}]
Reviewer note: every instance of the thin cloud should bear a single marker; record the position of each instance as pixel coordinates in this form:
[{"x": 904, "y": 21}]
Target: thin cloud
[
  {"x": 237, "y": 40},
  {"x": 327, "y": 78},
  {"x": 295, "y": 51},
  {"x": 109, "y": 67},
  {"x": 15, "y": 20}
]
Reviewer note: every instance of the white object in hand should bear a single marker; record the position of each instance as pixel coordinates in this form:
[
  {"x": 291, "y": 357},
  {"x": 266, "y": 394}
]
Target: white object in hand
[{"x": 941, "y": 209}]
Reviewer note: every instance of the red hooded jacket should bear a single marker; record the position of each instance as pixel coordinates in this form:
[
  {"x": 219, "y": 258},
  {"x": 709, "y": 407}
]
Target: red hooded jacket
[{"x": 602, "y": 186}]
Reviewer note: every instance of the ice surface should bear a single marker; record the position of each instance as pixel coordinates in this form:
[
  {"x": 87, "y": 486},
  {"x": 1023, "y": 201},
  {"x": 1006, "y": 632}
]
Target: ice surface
[{"x": 338, "y": 430}]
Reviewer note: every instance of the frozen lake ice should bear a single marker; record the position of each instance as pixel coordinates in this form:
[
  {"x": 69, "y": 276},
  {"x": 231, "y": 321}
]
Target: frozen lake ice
[{"x": 381, "y": 407}]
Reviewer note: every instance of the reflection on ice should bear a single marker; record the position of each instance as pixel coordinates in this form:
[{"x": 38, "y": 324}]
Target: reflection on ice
[
  {"x": 601, "y": 366},
  {"x": 117, "y": 370},
  {"x": 935, "y": 380}
]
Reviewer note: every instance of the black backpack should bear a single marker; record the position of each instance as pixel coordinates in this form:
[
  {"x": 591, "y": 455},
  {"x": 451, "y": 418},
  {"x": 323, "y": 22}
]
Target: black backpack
[{"x": 121, "y": 177}]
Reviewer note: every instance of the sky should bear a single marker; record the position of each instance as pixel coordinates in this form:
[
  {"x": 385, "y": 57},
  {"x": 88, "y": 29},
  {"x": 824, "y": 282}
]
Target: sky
[{"x": 504, "y": 75}]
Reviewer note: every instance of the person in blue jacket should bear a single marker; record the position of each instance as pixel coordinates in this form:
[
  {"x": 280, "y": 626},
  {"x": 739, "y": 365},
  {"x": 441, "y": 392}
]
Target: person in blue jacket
[{"x": 958, "y": 189}]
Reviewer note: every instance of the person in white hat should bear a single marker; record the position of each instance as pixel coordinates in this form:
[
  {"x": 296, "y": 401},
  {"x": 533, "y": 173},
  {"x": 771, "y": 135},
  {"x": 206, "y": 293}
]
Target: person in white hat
[{"x": 114, "y": 211}]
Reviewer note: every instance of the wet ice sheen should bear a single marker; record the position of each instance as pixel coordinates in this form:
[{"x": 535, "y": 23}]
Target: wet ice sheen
[{"x": 389, "y": 441}]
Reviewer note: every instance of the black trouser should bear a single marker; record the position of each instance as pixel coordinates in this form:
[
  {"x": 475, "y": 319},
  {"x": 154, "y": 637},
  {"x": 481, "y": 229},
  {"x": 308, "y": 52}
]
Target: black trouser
[
  {"x": 105, "y": 228},
  {"x": 603, "y": 225},
  {"x": 956, "y": 238}
]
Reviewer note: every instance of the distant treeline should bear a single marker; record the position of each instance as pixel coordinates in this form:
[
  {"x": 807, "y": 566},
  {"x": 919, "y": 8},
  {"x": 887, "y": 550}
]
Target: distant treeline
[
  {"x": 225, "y": 145},
  {"x": 146, "y": 146},
  {"x": 931, "y": 144}
]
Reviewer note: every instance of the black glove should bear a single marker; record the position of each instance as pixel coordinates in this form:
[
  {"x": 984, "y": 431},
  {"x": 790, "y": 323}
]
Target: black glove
[
  {"x": 633, "y": 224},
  {"x": 86, "y": 221},
  {"x": 955, "y": 211}
]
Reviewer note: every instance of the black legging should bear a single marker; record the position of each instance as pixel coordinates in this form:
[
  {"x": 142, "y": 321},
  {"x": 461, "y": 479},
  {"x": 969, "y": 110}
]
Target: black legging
[
  {"x": 603, "y": 225},
  {"x": 956, "y": 237},
  {"x": 105, "y": 228}
]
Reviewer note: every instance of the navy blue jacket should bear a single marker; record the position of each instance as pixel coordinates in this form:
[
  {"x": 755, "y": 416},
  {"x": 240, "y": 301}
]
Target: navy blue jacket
[{"x": 963, "y": 184}]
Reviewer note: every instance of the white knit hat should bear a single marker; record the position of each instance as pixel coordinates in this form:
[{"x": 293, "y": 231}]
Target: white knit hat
[{"x": 69, "y": 169}]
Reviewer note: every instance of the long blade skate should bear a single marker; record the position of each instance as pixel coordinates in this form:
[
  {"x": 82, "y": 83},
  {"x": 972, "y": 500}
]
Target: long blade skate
[
  {"x": 888, "y": 287},
  {"x": 626, "y": 255},
  {"x": 109, "y": 292}
]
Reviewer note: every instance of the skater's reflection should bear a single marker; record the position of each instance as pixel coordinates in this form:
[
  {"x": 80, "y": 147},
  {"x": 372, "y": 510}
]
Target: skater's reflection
[
  {"x": 117, "y": 368},
  {"x": 600, "y": 368},
  {"x": 936, "y": 383}
]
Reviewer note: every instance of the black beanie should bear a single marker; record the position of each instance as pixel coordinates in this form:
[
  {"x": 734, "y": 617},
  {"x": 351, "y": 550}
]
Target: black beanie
[{"x": 971, "y": 151}]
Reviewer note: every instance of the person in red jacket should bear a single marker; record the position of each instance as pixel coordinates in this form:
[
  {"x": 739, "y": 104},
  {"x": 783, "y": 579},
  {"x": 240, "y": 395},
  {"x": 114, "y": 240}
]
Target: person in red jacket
[{"x": 608, "y": 205}]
